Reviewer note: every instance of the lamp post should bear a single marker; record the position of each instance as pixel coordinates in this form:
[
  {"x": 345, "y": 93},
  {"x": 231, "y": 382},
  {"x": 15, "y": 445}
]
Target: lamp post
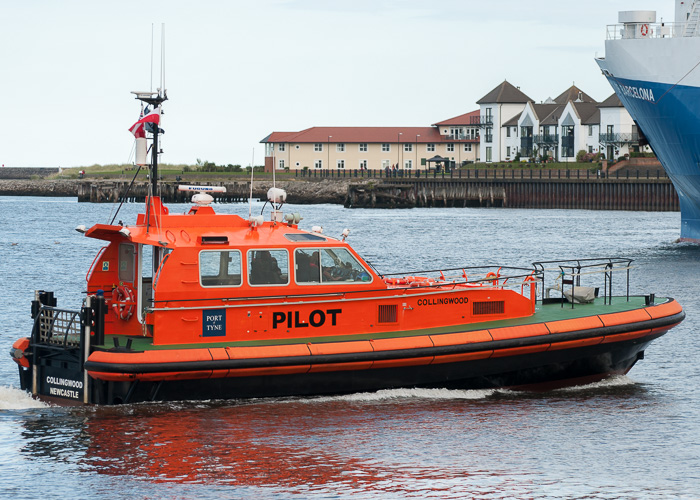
[
  {"x": 417, "y": 136},
  {"x": 329, "y": 151},
  {"x": 398, "y": 152}
]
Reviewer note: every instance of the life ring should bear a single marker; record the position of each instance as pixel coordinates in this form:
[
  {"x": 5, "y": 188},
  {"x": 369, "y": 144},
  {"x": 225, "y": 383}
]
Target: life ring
[
  {"x": 495, "y": 275},
  {"x": 123, "y": 302},
  {"x": 644, "y": 29}
]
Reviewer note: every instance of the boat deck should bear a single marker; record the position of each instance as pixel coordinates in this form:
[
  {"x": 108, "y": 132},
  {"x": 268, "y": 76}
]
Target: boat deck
[{"x": 544, "y": 313}]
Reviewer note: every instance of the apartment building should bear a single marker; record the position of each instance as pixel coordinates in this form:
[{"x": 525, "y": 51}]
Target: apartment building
[{"x": 507, "y": 125}]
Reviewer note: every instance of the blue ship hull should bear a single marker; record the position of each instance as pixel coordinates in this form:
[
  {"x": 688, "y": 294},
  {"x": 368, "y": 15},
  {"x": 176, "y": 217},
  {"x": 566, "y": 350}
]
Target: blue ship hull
[{"x": 669, "y": 117}]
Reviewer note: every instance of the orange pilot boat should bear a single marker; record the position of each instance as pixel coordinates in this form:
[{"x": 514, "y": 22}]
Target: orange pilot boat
[{"x": 209, "y": 306}]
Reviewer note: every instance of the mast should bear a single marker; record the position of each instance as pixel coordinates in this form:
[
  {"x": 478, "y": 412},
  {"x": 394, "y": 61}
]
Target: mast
[{"x": 154, "y": 99}]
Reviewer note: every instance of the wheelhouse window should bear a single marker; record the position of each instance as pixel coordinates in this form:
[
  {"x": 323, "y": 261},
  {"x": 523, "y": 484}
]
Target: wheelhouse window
[
  {"x": 268, "y": 267},
  {"x": 220, "y": 268},
  {"x": 328, "y": 265}
]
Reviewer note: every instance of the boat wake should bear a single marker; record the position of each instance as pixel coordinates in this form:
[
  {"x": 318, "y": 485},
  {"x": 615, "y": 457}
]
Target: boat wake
[
  {"x": 415, "y": 393},
  {"x": 12, "y": 398},
  {"x": 613, "y": 381}
]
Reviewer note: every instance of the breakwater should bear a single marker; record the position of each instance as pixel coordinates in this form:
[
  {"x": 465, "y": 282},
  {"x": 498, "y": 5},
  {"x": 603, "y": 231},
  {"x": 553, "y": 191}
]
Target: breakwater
[{"x": 306, "y": 191}]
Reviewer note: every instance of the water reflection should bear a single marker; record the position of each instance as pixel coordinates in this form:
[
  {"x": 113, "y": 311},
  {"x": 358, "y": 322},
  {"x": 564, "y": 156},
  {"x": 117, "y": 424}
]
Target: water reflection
[{"x": 448, "y": 443}]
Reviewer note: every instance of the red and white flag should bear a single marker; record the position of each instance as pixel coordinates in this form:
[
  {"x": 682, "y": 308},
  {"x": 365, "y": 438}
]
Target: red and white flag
[{"x": 138, "y": 128}]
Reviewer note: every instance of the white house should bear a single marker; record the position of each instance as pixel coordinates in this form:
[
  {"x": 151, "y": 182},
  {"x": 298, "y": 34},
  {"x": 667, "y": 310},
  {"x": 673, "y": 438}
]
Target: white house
[{"x": 497, "y": 107}]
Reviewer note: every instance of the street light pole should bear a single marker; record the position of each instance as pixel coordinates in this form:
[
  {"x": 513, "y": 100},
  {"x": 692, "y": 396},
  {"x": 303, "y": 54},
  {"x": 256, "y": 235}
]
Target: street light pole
[
  {"x": 329, "y": 152},
  {"x": 398, "y": 145},
  {"x": 416, "y": 165}
]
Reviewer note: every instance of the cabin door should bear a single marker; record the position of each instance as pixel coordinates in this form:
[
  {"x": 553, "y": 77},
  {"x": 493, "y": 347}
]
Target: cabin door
[{"x": 145, "y": 281}]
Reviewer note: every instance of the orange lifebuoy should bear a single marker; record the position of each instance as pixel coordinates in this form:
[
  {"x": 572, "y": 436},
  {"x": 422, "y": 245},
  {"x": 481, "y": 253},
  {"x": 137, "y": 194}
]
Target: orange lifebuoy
[
  {"x": 123, "y": 302},
  {"x": 495, "y": 275},
  {"x": 644, "y": 29}
]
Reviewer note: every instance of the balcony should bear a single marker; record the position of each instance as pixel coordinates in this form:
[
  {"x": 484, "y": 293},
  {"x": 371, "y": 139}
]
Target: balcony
[
  {"x": 546, "y": 139},
  {"x": 462, "y": 137},
  {"x": 567, "y": 146},
  {"x": 631, "y": 138},
  {"x": 481, "y": 121}
]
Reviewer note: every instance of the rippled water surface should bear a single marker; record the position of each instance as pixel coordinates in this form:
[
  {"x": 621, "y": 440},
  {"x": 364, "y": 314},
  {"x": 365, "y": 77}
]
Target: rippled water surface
[{"x": 627, "y": 437}]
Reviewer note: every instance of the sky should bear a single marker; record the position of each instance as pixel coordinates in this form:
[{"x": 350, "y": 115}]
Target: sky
[{"x": 236, "y": 71}]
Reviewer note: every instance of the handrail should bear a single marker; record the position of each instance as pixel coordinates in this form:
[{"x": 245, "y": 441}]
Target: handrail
[{"x": 573, "y": 269}]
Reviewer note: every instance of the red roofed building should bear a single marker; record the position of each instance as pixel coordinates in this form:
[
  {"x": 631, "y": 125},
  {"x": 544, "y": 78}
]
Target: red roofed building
[{"x": 374, "y": 147}]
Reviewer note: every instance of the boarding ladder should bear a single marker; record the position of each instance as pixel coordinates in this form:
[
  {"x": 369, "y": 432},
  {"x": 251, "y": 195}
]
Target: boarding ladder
[{"x": 693, "y": 22}]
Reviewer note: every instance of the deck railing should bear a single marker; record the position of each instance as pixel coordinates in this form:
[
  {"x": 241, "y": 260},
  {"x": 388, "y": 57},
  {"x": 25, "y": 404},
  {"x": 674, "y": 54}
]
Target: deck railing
[
  {"x": 651, "y": 30},
  {"x": 568, "y": 275},
  {"x": 60, "y": 327}
]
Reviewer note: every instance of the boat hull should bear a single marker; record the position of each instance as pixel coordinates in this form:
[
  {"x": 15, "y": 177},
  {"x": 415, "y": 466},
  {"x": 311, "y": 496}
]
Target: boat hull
[
  {"x": 533, "y": 355},
  {"x": 550, "y": 353},
  {"x": 541, "y": 370},
  {"x": 656, "y": 84}
]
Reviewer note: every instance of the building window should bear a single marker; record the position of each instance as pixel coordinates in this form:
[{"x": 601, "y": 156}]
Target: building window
[
  {"x": 363, "y": 164},
  {"x": 408, "y": 164},
  {"x": 467, "y": 148},
  {"x": 297, "y": 164},
  {"x": 489, "y": 134},
  {"x": 363, "y": 147},
  {"x": 340, "y": 147},
  {"x": 318, "y": 164},
  {"x": 318, "y": 146},
  {"x": 430, "y": 147},
  {"x": 340, "y": 163},
  {"x": 280, "y": 147},
  {"x": 456, "y": 133},
  {"x": 489, "y": 117},
  {"x": 507, "y": 131},
  {"x": 590, "y": 149},
  {"x": 386, "y": 164},
  {"x": 281, "y": 165},
  {"x": 296, "y": 147},
  {"x": 450, "y": 148},
  {"x": 508, "y": 151},
  {"x": 407, "y": 148},
  {"x": 488, "y": 153},
  {"x": 386, "y": 147}
]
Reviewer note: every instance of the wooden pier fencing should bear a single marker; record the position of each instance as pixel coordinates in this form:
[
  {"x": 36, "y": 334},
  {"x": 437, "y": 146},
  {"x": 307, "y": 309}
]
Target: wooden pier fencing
[{"x": 591, "y": 194}]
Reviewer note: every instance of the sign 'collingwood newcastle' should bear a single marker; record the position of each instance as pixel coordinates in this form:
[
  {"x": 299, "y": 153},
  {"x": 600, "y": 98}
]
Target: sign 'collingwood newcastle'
[{"x": 62, "y": 384}]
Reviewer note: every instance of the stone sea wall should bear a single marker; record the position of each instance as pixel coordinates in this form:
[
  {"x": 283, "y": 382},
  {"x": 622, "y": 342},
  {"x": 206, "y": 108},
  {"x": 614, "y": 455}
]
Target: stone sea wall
[
  {"x": 26, "y": 173},
  {"x": 299, "y": 191}
]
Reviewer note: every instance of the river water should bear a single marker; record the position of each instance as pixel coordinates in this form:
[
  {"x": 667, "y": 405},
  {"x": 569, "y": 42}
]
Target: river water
[{"x": 636, "y": 436}]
